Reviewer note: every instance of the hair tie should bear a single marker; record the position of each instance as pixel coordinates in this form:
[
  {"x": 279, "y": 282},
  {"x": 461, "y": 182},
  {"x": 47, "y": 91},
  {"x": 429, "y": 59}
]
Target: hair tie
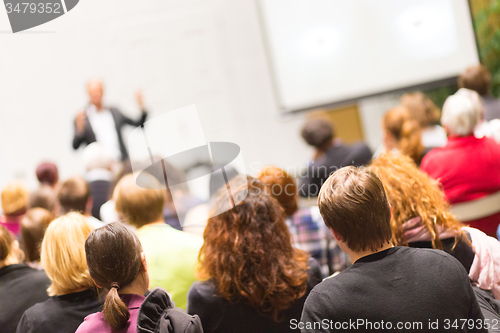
[{"x": 115, "y": 285}]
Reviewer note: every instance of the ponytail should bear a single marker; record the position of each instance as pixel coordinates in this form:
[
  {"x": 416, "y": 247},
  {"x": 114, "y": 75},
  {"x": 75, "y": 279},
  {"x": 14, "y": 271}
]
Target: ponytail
[
  {"x": 411, "y": 140},
  {"x": 115, "y": 312}
]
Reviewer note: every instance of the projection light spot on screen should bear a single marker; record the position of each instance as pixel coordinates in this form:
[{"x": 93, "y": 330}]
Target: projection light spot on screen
[
  {"x": 170, "y": 152},
  {"x": 25, "y": 14}
]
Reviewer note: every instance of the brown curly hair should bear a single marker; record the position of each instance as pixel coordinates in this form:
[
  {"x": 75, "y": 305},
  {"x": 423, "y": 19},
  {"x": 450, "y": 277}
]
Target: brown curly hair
[
  {"x": 412, "y": 193},
  {"x": 248, "y": 255},
  {"x": 406, "y": 130}
]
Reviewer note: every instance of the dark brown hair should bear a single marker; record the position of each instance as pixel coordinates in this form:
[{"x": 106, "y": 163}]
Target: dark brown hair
[
  {"x": 114, "y": 259},
  {"x": 47, "y": 173},
  {"x": 477, "y": 78},
  {"x": 33, "y": 226},
  {"x": 281, "y": 186},
  {"x": 247, "y": 253},
  {"x": 5, "y": 243},
  {"x": 74, "y": 195},
  {"x": 406, "y": 130},
  {"x": 139, "y": 206},
  {"x": 318, "y": 132},
  {"x": 353, "y": 203}
]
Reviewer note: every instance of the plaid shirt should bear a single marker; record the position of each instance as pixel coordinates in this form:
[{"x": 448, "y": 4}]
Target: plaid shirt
[{"x": 309, "y": 233}]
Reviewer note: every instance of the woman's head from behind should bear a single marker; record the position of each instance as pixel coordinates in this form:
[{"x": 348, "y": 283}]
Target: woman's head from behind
[
  {"x": 403, "y": 132},
  {"x": 63, "y": 254},
  {"x": 10, "y": 253},
  {"x": 412, "y": 193},
  {"x": 248, "y": 253},
  {"x": 33, "y": 226},
  {"x": 281, "y": 186},
  {"x": 116, "y": 261}
]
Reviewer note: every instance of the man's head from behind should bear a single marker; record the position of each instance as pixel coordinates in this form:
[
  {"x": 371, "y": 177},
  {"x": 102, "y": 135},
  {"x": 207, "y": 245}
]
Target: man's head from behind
[
  {"x": 139, "y": 206},
  {"x": 74, "y": 196},
  {"x": 354, "y": 205},
  {"x": 318, "y": 132}
]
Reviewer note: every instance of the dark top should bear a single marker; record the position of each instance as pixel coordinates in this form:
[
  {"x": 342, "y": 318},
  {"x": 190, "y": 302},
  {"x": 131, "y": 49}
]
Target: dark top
[
  {"x": 20, "y": 288},
  {"x": 60, "y": 314},
  {"x": 398, "y": 285},
  {"x": 336, "y": 157},
  {"x": 100, "y": 190},
  {"x": 463, "y": 252},
  {"x": 218, "y": 315},
  {"x": 492, "y": 107},
  {"x": 88, "y": 135}
]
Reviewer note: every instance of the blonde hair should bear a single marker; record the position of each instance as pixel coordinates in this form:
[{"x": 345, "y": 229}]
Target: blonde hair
[
  {"x": 63, "y": 254},
  {"x": 139, "y": 206},
  {"x": 406, "y": 130},
  {"x": 412, "y": 193},
  {"x": 15, "y": 198}
]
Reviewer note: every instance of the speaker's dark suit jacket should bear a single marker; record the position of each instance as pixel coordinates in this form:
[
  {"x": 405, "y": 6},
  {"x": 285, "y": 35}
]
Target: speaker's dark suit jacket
[{"x": 88, "y": 135}]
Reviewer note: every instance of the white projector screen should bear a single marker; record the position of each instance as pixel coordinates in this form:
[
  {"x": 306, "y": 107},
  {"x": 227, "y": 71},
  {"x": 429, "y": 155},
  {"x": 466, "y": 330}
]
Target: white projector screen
[{"x": 324, "y": 52}]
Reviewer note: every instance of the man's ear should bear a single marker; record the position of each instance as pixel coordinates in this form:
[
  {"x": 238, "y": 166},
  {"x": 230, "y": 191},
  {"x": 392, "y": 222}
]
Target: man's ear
[{"x": 337, "y": 237}]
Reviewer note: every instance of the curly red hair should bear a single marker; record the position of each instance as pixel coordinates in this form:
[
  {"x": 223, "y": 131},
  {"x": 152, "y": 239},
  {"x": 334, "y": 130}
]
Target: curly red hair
[{"x": 248, "y": 255}]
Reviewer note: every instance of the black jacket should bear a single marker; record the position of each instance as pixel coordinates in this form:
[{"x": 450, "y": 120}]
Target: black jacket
[
  {"x": 20, "y": 288},
  {"x": 88, "y": 135},
  {"x": 157, "y": 314},
  {"x": 356, "y": 154}
]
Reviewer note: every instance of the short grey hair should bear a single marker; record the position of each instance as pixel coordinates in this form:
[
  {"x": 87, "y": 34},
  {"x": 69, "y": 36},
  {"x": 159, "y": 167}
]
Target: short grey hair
[
  {"x": 462, "y": 113},
  {"x": 95, "y": 156}
]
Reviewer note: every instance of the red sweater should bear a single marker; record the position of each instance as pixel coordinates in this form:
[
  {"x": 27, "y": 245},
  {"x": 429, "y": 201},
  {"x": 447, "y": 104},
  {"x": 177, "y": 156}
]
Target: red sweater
[{"x": 469, "y": 169}]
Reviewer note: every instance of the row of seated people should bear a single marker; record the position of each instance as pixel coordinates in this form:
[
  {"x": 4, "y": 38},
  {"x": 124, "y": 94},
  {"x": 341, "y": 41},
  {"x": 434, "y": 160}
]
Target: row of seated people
[{"x": 245, "y": 275}]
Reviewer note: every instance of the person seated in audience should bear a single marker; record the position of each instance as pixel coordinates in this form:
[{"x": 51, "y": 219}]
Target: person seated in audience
[
  {"x": 478, "y": 78},
  {"x": 427, "y": 114},
  {"x": 99, "y": 165},
  {"x": 14, "y": 205},
  {"x": 47, "y": 174},
  {"x": 73, "y": 293},
  {"x": 172, "y": 254},
  {"x": 490, "y": 129},
  {"x": 468, "y": 168},
  {"x": 309, "y": 233},
  {"x": 330, "y": 154},
  {"x": 20, "y": 285},
  {"x": 118, "y": 264},
  {"x": 43, "y": 197},
  {"x": 74, "y": 196},
  {"x": 254, "y": 280},
  {"x": 420, "y": 218},
  {"x": 33, "y": 226},
  {"x": 385, "y": 283},
  {"x": 197, "y": 217},
  {"x": 403, "y": 133}
]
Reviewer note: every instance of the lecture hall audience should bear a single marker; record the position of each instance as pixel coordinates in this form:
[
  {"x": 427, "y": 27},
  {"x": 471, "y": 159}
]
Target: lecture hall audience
[
  {"x": 73, "y": 293},
  {"x": 20, "y": 285},
  {"x": 172, "y": 254},
  {"x": 393, "y": 283},
  {"x": 253, "y": 279},
  {"x": 468, "y": 168},
  {"x": 309, "y": 232},
  {"x": 420, "y": 218},
  {"x": 118, "y": 264}
]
